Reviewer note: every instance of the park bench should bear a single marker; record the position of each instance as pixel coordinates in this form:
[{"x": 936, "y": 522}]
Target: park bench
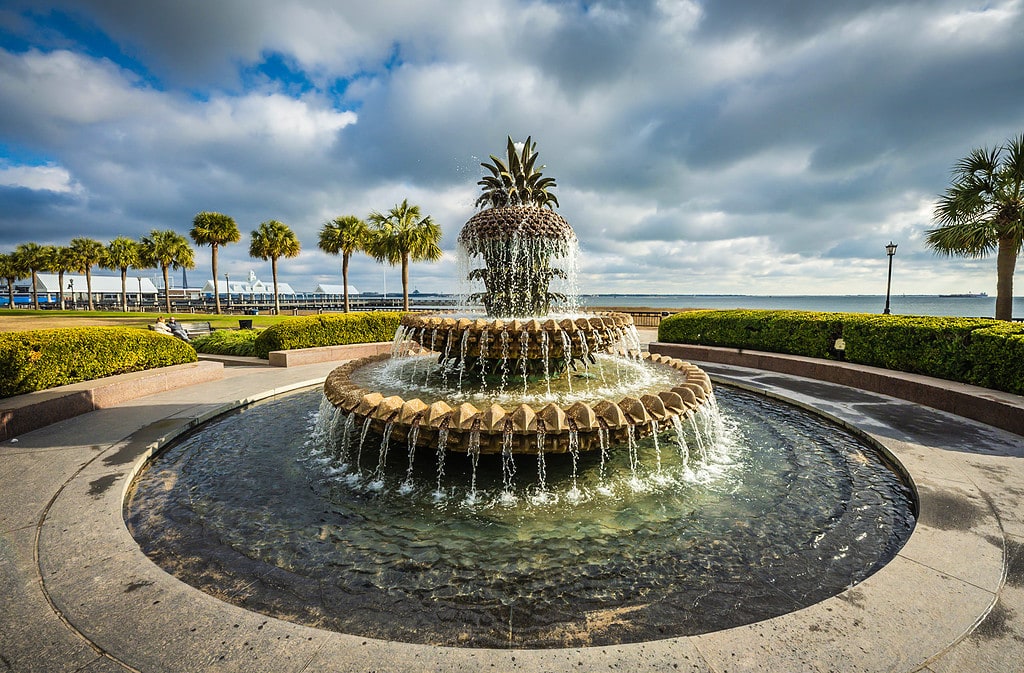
[{"x": 194, "y": 329}]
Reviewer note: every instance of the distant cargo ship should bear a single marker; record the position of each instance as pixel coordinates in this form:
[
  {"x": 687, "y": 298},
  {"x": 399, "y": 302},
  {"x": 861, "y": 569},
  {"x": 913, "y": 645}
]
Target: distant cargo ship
[{"x": 966, "y": 294}]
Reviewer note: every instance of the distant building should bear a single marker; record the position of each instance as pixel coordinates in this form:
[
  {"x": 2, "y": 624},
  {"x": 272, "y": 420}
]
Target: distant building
[
  {"x": 249, "y": 287},
  {"x": 326, "y": 288},
  {"x": 104, "y": 289}
]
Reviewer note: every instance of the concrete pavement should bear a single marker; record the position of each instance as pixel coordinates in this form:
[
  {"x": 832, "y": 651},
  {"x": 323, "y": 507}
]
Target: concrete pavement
[{"x": 78, "y": 594}]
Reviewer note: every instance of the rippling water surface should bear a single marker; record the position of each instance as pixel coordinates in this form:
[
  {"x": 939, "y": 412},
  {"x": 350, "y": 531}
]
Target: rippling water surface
[{"x": 783, "y": 511}]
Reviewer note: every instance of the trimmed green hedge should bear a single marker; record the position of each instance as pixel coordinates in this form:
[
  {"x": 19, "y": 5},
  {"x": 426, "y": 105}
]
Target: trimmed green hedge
[
  {"x": 979, "y": 351},
  {"x": 328, "y": 329},
  {"x": 228, "y": 342},
  {"x": 41, "y": 359}
]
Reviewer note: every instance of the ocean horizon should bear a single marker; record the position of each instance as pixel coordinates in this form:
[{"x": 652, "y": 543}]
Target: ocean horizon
[{"x": 903, "y": 304}]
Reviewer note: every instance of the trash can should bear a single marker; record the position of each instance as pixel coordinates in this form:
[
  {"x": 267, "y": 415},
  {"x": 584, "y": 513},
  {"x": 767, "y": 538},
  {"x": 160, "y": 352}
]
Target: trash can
[{"x": 245, "y": 324}]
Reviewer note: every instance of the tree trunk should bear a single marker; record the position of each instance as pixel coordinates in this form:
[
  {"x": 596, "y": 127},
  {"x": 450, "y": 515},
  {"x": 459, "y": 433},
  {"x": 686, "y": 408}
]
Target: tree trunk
[
  {"x": 10, "y": 292},
  {"x": 124, "y": 289},
  {"x": 167, "y": 295},
  {"x": 405, "y": 282},
  {"x": 60, "y": 282},
  {"x": 35, "y": 290},
  {"x": 273, "y": 272},
  {"x": 1006, "y": 260},
  {"x": 216, "y": 293},
  {"x": 344, "y": 277},
  {"x": 88, "y": 287}
]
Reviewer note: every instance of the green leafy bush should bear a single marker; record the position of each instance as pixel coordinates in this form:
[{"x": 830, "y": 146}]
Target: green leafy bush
[
  {"x": 795, "y": 332},
  {"x": 979, "y": 351},
  {"x": 939, "y": 347},
  {"x": 41, "y": 359},
  {"x": 228, "y": 342},
  {"x": 328, "y": 329}
]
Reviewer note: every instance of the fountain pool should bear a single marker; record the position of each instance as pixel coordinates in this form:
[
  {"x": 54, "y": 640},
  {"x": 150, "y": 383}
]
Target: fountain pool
[{"x": 784, "y": 510}]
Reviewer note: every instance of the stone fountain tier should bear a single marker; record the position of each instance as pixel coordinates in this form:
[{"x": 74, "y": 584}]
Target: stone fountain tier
[
  {"x": 521, "y": 429},
  {"x": 554, "y": 340}
]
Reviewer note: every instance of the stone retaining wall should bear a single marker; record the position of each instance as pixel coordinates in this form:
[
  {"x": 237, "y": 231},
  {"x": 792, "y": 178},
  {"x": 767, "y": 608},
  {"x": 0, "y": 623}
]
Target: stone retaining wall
[{"x": 23, "y": 413}]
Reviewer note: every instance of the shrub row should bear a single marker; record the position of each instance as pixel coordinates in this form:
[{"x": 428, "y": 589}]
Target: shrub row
[
  {"x": 41, "y": 359},
  {"x": 979, "y": 351},
  {"x": 228, "y": 342},
  {"x": 329, "y": 329}
]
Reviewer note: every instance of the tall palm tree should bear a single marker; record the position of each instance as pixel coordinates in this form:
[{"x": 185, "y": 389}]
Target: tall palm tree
[
  {"x": 272, "y": 241},
  {"x": 88, "y": 253},
  {"x": 214, "y": 230},
  {"x": 402, "y": 235},
  {"x": 346, "y": 235},
  {"x": 31, "y": 258},
  {"x": 122, "y": 253},
  {"x": 983, "y": 211},
  {"x": 165, "y": 250},
  {"x": 62, "y": 262},
  {"x": 10, "y": 272}
]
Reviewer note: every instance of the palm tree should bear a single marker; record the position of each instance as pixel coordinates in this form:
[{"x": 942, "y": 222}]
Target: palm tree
[
  {"x": 214, "y": 230},
  {"x": 88, "y": 252},
  {"x": 10, "y": 272},
  {"x": 403, "y": 236},
  {"x": 63, "y": 261},
  {"x": 165, "y": 250},
  {"x": 31, "y": 258},
  {"x": 983, "y": 211},
  {"x": 271, "y": 241},
  {"x": 122, "y": 253},
  {"x": 346, "y": 235}
]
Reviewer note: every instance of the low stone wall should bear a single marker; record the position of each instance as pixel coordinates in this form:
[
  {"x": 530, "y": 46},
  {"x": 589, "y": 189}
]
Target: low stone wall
[
  {"x": 993, "y": 407},
  {"x": 309, "y": 356},
  {"x": 24, "y": 413}
]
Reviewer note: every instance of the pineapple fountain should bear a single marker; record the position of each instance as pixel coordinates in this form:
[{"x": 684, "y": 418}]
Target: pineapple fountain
[
  {"x": 316, "y": 517},
  {"x": 521, "y": 379}
]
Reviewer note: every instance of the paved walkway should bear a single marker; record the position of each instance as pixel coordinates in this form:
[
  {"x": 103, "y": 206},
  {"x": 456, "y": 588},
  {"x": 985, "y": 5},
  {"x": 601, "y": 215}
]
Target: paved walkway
[{"x": 78, "y": 595}]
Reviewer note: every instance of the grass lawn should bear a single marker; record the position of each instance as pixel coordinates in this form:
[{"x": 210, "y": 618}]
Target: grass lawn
[{"x": 19, "y": 320}]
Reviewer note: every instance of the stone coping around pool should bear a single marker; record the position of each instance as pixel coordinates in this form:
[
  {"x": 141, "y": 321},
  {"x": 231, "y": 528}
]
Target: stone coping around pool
[
  {"x": 992, "y": 407},
  {"x": 24, "y": 413},
  {"x": 108, "y": 607},
  {"x": 308, "y": 356}
]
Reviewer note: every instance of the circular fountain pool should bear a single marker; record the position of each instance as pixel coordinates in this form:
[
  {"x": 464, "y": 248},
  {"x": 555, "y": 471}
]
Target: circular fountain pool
[{"x": 782, "y": 511}]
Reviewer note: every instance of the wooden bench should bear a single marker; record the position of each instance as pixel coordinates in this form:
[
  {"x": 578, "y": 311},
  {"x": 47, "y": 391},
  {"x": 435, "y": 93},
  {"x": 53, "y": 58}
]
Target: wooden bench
[{"x": 194, "y": 329}]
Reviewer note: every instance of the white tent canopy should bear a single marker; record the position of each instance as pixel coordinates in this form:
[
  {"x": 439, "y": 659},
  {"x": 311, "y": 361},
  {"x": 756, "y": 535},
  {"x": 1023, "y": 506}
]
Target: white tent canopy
[{"x": 48, "y": 283}]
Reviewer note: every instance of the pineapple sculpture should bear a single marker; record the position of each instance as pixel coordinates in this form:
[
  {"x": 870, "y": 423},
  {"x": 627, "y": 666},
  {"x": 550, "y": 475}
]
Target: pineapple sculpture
[{"x": 517, "y": 234}]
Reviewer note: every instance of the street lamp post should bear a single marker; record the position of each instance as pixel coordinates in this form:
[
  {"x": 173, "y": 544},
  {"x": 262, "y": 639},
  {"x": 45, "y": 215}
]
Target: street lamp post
[
  {"x": 71, "y": 287},
  {"x": 891, "y": 251},
  {"x": 139, "y": 278},
  {"x": 227, "y": 281}
]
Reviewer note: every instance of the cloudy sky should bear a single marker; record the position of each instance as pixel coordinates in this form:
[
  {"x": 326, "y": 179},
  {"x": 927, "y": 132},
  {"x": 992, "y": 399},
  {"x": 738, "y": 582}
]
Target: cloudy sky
[{"x": 700, "y": 146}]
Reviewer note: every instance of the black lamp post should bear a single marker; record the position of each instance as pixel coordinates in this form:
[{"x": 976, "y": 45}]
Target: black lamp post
[
  {"x": 227, "y": 281},
  {"x": 891, "y": 251},
  {"x": 71, "y": 286}
]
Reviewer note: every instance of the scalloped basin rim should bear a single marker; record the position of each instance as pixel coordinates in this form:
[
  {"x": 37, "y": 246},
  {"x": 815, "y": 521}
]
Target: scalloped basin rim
[{"x": 523, "y": 429}]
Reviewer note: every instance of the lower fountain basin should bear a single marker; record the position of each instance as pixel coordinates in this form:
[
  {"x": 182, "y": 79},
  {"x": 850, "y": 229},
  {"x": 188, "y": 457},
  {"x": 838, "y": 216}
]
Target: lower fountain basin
[
  {"x": 785, "y": 510},
  {"x": 493, "y": 425}
]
